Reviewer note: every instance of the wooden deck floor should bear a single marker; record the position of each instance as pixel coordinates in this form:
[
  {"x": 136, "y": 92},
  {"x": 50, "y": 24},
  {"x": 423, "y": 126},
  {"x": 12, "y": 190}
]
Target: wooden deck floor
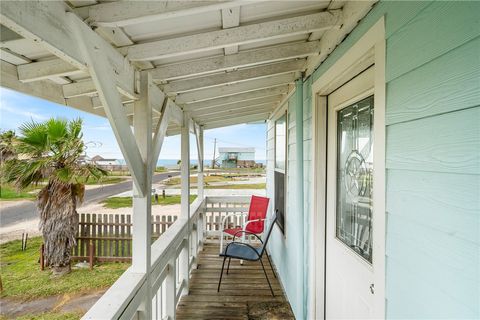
[{"x": 244, "y": 293}]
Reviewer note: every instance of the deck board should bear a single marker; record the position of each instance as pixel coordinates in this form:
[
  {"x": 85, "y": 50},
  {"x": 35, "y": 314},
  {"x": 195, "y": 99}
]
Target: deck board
[{"x": 244, "y": 293}]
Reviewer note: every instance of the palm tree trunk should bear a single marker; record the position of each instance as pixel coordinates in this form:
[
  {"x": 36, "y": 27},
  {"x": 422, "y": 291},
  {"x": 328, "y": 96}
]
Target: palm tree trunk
[{"x": 59, "y": 224}]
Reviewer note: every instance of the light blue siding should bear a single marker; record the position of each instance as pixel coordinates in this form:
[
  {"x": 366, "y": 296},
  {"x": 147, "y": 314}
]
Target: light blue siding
[
  {"x": 433, "y": 162},
  {"x": 286, "y": 249}
]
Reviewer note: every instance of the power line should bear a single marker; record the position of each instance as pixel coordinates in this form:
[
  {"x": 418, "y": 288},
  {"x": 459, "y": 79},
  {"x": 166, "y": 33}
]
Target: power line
[{"x": 233, "y": 143}]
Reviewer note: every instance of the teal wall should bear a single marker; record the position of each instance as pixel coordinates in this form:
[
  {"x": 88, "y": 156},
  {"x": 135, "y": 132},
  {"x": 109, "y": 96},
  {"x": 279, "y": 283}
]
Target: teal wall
[
  {"x": 284, "y": 248},
  {"x": 432, "y": 161}
]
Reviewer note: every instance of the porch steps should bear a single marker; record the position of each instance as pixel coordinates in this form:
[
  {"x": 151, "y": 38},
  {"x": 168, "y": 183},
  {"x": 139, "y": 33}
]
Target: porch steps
[{"x": 244, "y": 293}]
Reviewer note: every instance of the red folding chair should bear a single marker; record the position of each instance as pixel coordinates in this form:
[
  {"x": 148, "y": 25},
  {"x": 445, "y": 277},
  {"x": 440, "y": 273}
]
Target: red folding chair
[{"x": 255, "y": 222}]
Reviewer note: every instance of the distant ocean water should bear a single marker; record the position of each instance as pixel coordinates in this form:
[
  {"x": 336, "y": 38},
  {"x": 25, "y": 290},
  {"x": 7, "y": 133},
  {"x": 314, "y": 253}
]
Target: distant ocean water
[{"x": 173, "y": 162}]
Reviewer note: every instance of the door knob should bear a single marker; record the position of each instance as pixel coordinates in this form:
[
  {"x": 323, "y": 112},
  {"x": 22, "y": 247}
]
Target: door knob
[{"x": 372, "y": 288}]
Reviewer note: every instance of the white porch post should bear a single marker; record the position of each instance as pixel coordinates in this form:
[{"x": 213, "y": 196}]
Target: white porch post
[
  {"x": 200, "y": 184},
  {"x": 185, "y": 199},
  {"x": 142, "y": 204}
]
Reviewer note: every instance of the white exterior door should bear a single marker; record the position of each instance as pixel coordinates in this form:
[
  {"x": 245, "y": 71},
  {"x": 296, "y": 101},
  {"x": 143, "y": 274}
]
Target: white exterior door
[{"x": 350, "y": 211}]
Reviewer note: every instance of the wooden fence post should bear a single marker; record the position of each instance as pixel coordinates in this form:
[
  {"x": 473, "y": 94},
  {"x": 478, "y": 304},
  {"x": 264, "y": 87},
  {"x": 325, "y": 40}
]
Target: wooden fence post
[
  {"x": 42, "y": 258},
  {"x": 90, "y": 254}
]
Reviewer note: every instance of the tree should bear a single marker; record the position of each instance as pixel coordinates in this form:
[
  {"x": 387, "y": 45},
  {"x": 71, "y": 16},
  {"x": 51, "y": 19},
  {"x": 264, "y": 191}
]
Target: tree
[
  {"x": 7, "y": 145},
  {"x": 51, "y": 151},
  {"x": 7, "y": 149}
]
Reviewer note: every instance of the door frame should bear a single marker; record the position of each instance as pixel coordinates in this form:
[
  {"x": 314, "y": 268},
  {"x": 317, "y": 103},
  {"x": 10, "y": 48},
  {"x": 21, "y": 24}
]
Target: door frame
[{"x": 369, "y": 49}]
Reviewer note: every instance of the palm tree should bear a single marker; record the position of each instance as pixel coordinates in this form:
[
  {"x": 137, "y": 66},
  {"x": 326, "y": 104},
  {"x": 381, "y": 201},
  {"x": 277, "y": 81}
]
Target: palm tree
[
  {"x": 7, "y": 149},
  {"x": 51, "y": 151},
  {"x": 7, "y": 145}
]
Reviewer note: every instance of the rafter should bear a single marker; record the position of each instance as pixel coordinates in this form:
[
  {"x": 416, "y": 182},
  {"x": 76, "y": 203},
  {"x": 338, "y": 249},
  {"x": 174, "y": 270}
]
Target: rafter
[
  {"x": 42, "y": 70},
  {"x": 230, "y": 19},
  {"x": 352, "y": 12},
  {"x": 46, "y": 22},
  {"x": 236, "y": 88},
  {"x": 212, "y": 114},
  {"x": 232, "y": 121},
  {"x": 234, "y": 36},
  {"x": 235, "y": 76},
  {"x": 128, "y": 13},
  {"x": 237, "y": 98},
  {"x": 239, "y": 104},
  {"x": 102, "y": 75},
  {"x": 239, "y": 60}
]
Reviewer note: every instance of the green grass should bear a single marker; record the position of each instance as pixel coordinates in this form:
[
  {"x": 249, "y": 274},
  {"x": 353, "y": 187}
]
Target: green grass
[
  {"x": 122, "y": 173},
  {"x": 105, "y": 180},
  {"x": 239, "y": 186},
  {"x": 10, "y": 193},
  {"x": 126, "y": 202},
  {"x": 211, "y": 178},
  {"x": 49, "y": 316},
  {"x": 23, "y": 279}
]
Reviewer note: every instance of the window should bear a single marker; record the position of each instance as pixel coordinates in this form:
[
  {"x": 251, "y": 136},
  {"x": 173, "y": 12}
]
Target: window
[
  {"x": 354, "y": 185},
  {"x": 280, "y": 165}
]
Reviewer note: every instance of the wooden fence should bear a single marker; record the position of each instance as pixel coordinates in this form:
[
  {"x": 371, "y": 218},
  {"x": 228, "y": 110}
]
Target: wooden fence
[{"x": 108, "y": 237}]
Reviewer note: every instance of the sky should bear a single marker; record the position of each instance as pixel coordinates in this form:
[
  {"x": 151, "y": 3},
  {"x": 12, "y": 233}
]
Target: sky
[{"x": 17, "y": 108}]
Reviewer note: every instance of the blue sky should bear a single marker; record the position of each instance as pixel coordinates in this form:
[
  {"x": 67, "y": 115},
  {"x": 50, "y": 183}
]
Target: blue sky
[{"x": 17, "y": 108}]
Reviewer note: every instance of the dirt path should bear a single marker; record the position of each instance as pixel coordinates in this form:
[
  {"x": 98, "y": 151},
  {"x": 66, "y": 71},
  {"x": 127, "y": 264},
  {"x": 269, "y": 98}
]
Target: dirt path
[{"x": 78, "y": 303}]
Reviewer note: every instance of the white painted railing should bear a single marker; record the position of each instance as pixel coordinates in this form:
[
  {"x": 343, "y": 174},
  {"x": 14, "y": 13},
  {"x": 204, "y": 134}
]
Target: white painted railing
[{"x": 174, "y": 255}]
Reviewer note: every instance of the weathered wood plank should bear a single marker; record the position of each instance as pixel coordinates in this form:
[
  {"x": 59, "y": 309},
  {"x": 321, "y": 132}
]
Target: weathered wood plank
[{"x": 243, "y": 285}]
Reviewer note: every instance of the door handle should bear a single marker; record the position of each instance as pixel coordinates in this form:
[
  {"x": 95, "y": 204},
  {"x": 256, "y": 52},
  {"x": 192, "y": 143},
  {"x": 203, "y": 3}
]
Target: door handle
[{"x": 372, "y": 288}]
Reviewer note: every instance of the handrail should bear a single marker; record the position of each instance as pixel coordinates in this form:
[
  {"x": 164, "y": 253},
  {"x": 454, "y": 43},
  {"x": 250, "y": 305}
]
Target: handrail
[{"x": 173, "y": 255}]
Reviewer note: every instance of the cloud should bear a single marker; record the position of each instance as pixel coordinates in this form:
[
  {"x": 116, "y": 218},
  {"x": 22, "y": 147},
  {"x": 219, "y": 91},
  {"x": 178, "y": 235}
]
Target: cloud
[
  {"x": 21, "y": 111},
  {"x": 99, "y": 128}
]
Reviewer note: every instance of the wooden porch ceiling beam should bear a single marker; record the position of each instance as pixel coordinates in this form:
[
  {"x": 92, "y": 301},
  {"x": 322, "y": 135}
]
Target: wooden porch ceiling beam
[
  {"x": 48, "y": 23},
  {"x": 230, "y": 19},
  {"x": 219, "y": 113},
  {"x": 234, "y": 121},
  {"x": 90, "y": 47},
  {"x": 228, "y": 90},
  {"x": 240, "y": 104},
  {"x": 234, "y": 36},
  {"x": 242, "y": 59},
  {"x": 42, "y": 70},
  {"x": 352, "y": 13},
  {"x": 235, "y": 76},
  {"x": 44, "y": 89},
  {"x": 160, "y": 131},
  {"x": 127, "y": 13},
  {"x": 238, "y": 98}
]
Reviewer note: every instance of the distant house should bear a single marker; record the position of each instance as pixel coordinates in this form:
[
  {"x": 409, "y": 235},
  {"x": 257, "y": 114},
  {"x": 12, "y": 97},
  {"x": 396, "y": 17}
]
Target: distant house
[
  {"x": 237, "y": 157},
  {"x": 100, "y": 161}
]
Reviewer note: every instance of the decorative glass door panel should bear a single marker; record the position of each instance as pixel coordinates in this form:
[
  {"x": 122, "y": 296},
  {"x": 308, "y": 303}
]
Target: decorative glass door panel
[{"x": 355, "y": 176}]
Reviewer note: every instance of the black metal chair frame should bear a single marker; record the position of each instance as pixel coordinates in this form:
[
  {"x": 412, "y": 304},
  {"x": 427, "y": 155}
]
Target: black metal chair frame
[{"x": 258, "y": 255}]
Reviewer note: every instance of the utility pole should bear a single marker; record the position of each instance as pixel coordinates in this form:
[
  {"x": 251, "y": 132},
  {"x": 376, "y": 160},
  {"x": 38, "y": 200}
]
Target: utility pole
[{"x": 214, "y": 148}]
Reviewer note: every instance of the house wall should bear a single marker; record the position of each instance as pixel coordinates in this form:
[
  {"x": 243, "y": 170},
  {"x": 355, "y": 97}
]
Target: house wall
[
  {"x": 240, "y": 155},
  {"x": 284, "y": 248},
  {"x": 432, "y": 161}
]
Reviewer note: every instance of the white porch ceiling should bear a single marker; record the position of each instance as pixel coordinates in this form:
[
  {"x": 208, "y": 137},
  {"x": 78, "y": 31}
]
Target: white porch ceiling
[{"x": 223, "y": 62}]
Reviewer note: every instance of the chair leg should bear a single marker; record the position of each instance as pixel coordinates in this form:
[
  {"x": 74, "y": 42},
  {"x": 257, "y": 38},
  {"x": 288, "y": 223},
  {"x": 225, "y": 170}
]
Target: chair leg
[
  {"x": 266, "y": 276},
  {"x": 221, "y": 241},
  {"x": 221, "y": 274},
  {"x": 228, "y": 266},
  {"x": 270, "y": 262}
]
